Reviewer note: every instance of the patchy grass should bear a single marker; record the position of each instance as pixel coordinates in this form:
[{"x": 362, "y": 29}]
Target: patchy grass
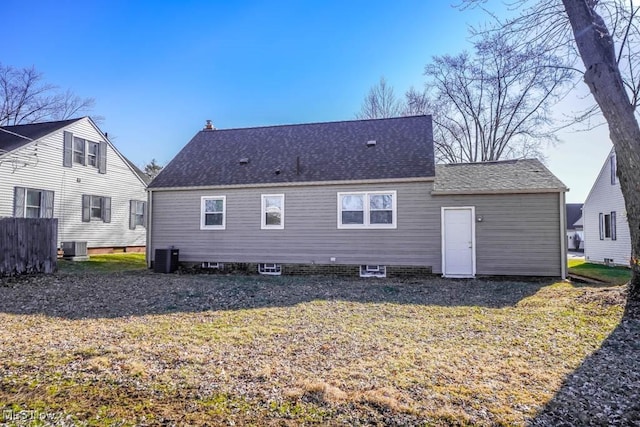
[
  {"x": 610, "y": 275},
  {"x": 106, "y": 263},
  {"x": 147, "y": 348}
]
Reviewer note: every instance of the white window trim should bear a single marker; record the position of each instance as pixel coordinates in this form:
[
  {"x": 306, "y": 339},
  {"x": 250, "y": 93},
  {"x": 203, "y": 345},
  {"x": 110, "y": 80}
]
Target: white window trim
[
  {"x": 224, "y": 213},
  {"x": 366, "y": 207},
  {"x": 263, "y": 211}
]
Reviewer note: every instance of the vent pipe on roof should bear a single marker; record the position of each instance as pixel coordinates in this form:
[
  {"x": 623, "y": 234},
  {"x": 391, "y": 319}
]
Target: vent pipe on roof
[{"x": 209, "y": 126}]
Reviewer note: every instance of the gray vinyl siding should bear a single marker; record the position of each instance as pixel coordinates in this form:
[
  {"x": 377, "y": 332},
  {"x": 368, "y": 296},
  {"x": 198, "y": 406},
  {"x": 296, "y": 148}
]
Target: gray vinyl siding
[
  {"x": 310, "y": 234},
  {"x": 69, "y": 184},
  {"x": 520, "y": 234}
]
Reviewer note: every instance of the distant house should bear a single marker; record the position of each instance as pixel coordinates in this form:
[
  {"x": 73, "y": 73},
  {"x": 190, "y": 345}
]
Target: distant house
[
  {"x": 606, "y": 230},
  {"x": 71, "y": 171},
  {"x": 575, "y": 233},
  {"x": 355, "y": 197}
]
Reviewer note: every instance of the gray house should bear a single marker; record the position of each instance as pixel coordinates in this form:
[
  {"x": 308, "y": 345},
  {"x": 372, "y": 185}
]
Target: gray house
[
  {"x": 71, "y": 171},
  {"x": 354, "y": 197}
]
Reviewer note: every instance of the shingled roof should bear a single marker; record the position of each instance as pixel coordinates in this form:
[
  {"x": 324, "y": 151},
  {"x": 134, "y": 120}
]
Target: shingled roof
[
  {"x": 313, "y": 152},
  {"x": 574, "y": 213},
  {"x": 508, "y": 176},
  {"x": 14, "y": 137}
]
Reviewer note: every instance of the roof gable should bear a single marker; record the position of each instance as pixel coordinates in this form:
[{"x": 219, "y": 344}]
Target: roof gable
[
  {"x": 14, "y": 137},
  {"x": 506, "y": 176},
  {"x": 333, "y": 151},
  {"x": 574, "y": 213},
  {"x": 602, "y": 178}
]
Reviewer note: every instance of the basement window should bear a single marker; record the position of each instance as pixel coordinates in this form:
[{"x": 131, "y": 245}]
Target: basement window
[
  {"x": 270, "y": 269},
  {"x": 373, "y": 270}
]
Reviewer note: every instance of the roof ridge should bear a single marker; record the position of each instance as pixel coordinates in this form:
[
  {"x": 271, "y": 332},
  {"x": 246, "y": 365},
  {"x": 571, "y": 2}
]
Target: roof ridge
[
  {"x": 44, "y": 123},
  {"x": 315, "y": 123}
]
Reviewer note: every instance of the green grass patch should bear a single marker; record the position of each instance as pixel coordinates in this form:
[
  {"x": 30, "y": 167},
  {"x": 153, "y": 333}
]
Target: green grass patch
[
  {"x": 106, "y": 263},
  {"x": 609, "y": 275}
]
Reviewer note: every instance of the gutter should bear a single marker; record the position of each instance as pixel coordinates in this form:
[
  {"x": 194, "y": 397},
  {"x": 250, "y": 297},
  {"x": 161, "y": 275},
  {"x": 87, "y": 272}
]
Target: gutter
[
  {"x": 500, "y": 191},
  {"x": 298, "y": 184}
]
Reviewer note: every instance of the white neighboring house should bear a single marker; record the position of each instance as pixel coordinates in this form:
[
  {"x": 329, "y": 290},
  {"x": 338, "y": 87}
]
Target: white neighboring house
[
  {"x": 606, "y": 230},
  {"x": 71, "y": 171}
]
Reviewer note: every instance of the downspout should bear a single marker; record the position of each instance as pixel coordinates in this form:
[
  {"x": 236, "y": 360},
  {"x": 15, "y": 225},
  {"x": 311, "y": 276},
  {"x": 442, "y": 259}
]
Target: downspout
[
  {"x": 563, "y": 235},
  {"x": 149, "y": 225}
]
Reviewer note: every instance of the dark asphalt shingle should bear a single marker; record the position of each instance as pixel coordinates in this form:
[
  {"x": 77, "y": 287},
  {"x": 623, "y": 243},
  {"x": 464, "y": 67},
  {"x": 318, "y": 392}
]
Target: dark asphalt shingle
[
  {"x": 9, "y": 141},
  {"x": 574, "y": 213},
  {"x": 333, "y": 151}
]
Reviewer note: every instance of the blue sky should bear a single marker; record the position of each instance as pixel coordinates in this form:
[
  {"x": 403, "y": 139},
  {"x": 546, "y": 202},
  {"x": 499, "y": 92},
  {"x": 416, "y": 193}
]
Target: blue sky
[{"x": 159, "y": 69}]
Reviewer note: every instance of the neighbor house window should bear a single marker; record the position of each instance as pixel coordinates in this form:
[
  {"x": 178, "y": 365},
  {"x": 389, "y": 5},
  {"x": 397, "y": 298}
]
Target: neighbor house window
[
  {"x": 137, "y": 212},
  {"x": 78, "y": 150},
  {"x": 376, "y": 209},
  {"x": 92, "y": 154},
  {"x": 272, "y": 211},
  {"x": 608, "y": 226},
  {"x": 96, "y": 208},
  {"x": 212, "y": 213},
  {"x": 32, "y": 203}
]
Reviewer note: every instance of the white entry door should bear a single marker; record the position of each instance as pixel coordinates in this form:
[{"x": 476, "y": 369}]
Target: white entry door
[{"x": 458, "y": 242}]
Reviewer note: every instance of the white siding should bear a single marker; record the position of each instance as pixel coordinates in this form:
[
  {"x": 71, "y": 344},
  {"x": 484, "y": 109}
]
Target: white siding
[
  {"x": 605, "y": 197},
  {"x": 69, "y": 184}
]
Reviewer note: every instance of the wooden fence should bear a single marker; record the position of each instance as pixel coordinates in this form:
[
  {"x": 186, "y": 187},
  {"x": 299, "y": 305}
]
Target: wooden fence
[{"x": 28, "y": 246}]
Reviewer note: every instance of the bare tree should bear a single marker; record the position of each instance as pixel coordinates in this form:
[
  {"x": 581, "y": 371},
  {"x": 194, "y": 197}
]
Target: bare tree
[
  {"x": 490, "y": 105},
  {"x": 603, "y": 37},
  {"x": 26, "y": 98},
  {"x": 496, "y": 103},
  {"x": 380, "y": 103}
]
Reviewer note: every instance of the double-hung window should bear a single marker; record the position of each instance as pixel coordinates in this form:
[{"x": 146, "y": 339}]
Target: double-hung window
[
  {"x": 608, "y": 226},
  {"x": 373, "y": 209},
  {"x": 78, "y": 150},
  {"x": 137, "y": 213},
  {"x": 213, "y": 213},
  {"x": 32, "y": 203},
  {"x": 272, "y": 211},
  {"x": 92, "y": 154},
  {"x": 96, "y": 208},
  {"x": 81, "y": 151}
]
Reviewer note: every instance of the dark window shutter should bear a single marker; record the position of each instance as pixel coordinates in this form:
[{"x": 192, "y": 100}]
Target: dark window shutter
[
  {"x": 67, "y": 157},
  {"x": 18, "y": 202},
  {"x": 132, "y": 214},
  {"x": 102, "y": 157},
  {"x": 106, "y": 209},
  {"x": 46, "y": 210},
  {"x": 86, "y": 208},
  {"x": 144, "y": 213},
  {"x": 613, "y": 226},
  {"x": 601, "y": 225},
  {"x": 612, "y": 164}
]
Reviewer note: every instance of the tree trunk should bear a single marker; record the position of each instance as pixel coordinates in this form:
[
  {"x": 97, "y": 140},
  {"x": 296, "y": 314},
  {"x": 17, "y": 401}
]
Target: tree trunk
[{"x": 603, "y": 77}]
